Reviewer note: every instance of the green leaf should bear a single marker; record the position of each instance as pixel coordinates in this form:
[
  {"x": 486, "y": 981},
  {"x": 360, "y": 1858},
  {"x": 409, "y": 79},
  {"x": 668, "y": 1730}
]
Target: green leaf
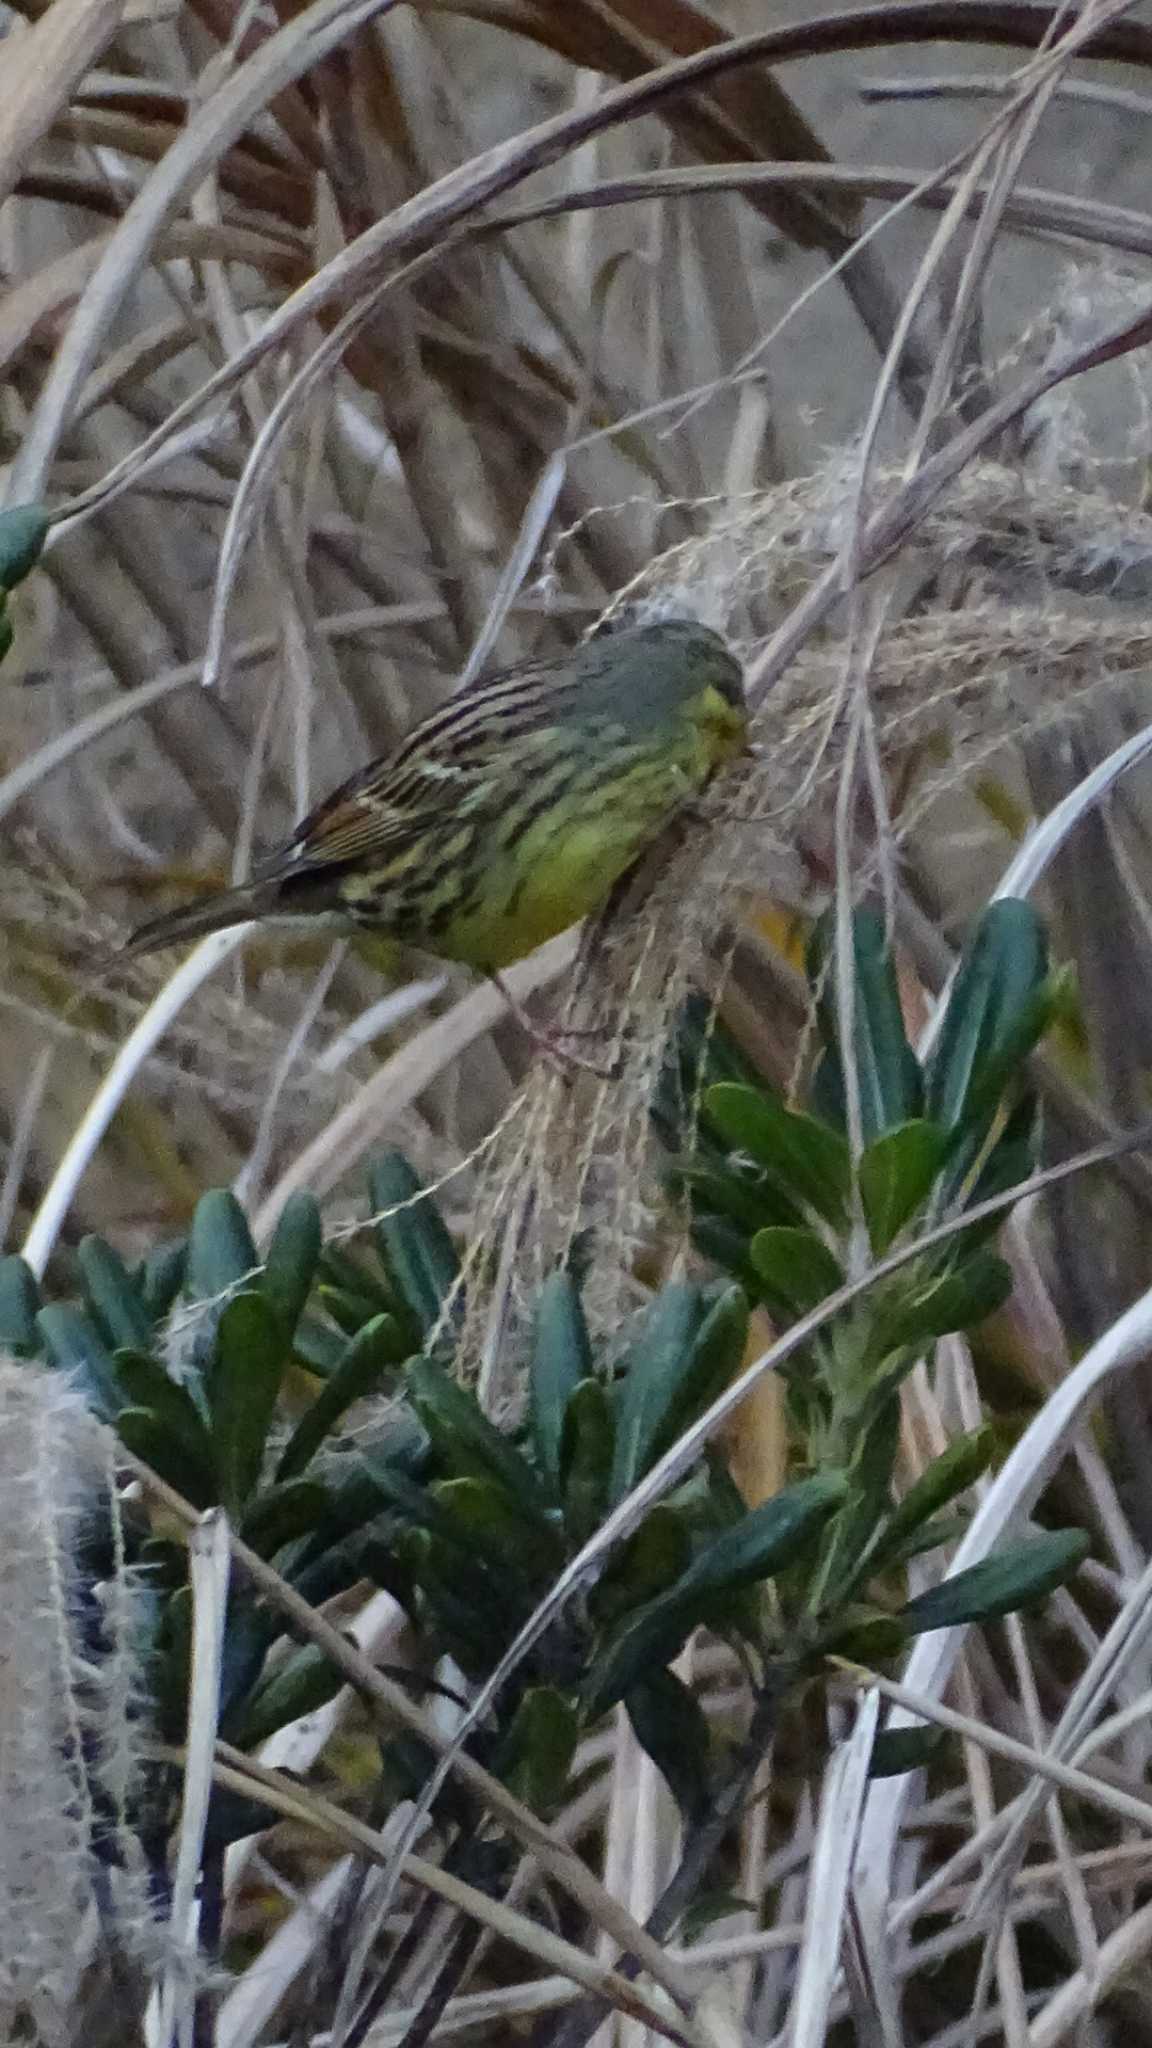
[
  {"x": 190, "y": 1465},
  {"x": 929, "y": 1536},
  {"x": 765, "y": 1539},
  {"x": 7, "y": 630},
  {"x": 351, "y": 1276},
  {"x": 763, "y": 1542},
  {"x": 586, "y": 1455},
  {"x": 896, "y": 1175},
  {"x": 112, "y": 1296},
  {"x": 465, "y": 1440},
  {"x": 162, "y": 1277},
  {"x": 535, "y": 1758},
  {"x": 700, "y": 1051},
  {"x": 1012, "y": 1156},
  {"x": 74, "y": 1344},
  {"x": 671, "y": 1727},
  {"x": 897, "y": 1750},
  {"x": 474, "y": 1611},
  {"x": 810, "y": 1161},
  {"x": 501, "y": 1530},
  {"x": 796, "y": 1267},
  {"x": 654, "y": 1366},
  {"x": 350, "y": 1312},
  {"x": 23, "y": 532},
  {"x": 414, "y": 1242},
  {"x": 19, "y": 1307},
  {"x": 1001, "y": 1585},
  {"x": 306, "y": 1681},
  {"x": 367, "y": 1357},
  {"x": 320, "y": 1348},
  {"x": 243, "y": 1383},
  {"x": 283, "y": 1514},
  {"x": 887, "y": 1071},
  {"x": 716, "y": 1357},
  {"x": 744, "y": 1195},
  {"x": 955, "y": 1301},
  {"x": 293, "y": 1255},
  {"x": 867, "y": 1635},
  {"x": 995, "y": 1014},
  {"x": 726, "y": 1247},
  {"x": 220, "y": 1247},
  {"x": 869, "y": 1478},
  {"x": 146, "y": 1435},
  {"x": 561, "y": 1358},
  {"x": 655, "y": 1556},
  {"x": 952, "y": 1473}
]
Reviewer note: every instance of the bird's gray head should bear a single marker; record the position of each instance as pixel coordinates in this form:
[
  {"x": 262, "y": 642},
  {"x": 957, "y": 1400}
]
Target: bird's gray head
[{"x": 640, "y": 673}]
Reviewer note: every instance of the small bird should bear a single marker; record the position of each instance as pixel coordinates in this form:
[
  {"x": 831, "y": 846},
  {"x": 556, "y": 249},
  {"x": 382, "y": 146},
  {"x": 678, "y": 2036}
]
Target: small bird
[{"x": 509, "y": 814}]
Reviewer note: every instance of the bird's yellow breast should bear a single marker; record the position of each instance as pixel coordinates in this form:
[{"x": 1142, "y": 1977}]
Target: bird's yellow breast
[{"x": 569, "y": 859}]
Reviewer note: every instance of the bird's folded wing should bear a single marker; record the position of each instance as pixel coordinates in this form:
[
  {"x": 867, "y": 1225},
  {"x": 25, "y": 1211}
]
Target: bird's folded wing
[
  {"x": 350, "y": 829},
  {"x": 382, "y": 811}
]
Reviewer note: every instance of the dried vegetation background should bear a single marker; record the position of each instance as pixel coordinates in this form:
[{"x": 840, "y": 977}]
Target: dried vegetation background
[{"x": 354, "y": 344}]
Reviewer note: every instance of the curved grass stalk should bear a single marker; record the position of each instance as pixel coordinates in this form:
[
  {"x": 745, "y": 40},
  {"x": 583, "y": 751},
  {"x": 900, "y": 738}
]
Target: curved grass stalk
[
  {"x": 147, "y": 1033},
  {"x": 294, "y": 49}
]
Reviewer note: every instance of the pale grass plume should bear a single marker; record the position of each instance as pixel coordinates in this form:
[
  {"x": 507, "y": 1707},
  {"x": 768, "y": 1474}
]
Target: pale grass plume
[{"x": 71, "y": 1693}]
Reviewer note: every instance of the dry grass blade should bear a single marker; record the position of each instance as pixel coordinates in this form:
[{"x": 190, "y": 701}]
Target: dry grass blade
[
  {"x": 1026, "y": 207},
  {"x": 214, "y": 128},
  {"x": 238, "y": 1773},
  {"x": 41, "y": 67}
]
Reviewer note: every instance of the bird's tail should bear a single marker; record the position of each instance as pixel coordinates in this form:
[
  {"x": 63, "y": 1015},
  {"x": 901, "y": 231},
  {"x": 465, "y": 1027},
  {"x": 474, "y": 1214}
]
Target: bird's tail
[{"x": 193, "y": 921}]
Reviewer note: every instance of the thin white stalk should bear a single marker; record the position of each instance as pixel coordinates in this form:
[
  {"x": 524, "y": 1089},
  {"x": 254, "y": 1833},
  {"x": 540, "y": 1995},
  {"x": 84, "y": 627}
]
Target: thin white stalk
[
  {"x": 209, "y": 1563},
  {"x": 829, "y": 1872},
  {"x": 533, "y": 526},
  {"x": 146, "y": 1035},
  {"x": 247, "y": 1181},
  {"x": 382, "y": 1016}
]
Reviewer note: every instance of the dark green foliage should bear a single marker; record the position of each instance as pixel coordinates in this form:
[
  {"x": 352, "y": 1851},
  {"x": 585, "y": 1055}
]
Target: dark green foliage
[
  {"x": 654, "y": 1364},
  {"x": 1001, "y": 1585},
  {"x": 536, "y": 1755},
  {"x": 415, "y": 1246},
  {"x": 562, "y": 1357},
  {"x": 997, "y": 1010},
  {"x": 213, "y": 1425},
  {"x": 23, "y": 532},
  {"x": 897, "y": 1750},
  {"x": 778, "y": 1201},
  {"x": 669, "y": 1722},
  {"x": 888, "y": 1077},
  {"x": 764, "y": 1541},
  {"x": 20, "y": 1304},
  {"x": 468, "y": 1525}
]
